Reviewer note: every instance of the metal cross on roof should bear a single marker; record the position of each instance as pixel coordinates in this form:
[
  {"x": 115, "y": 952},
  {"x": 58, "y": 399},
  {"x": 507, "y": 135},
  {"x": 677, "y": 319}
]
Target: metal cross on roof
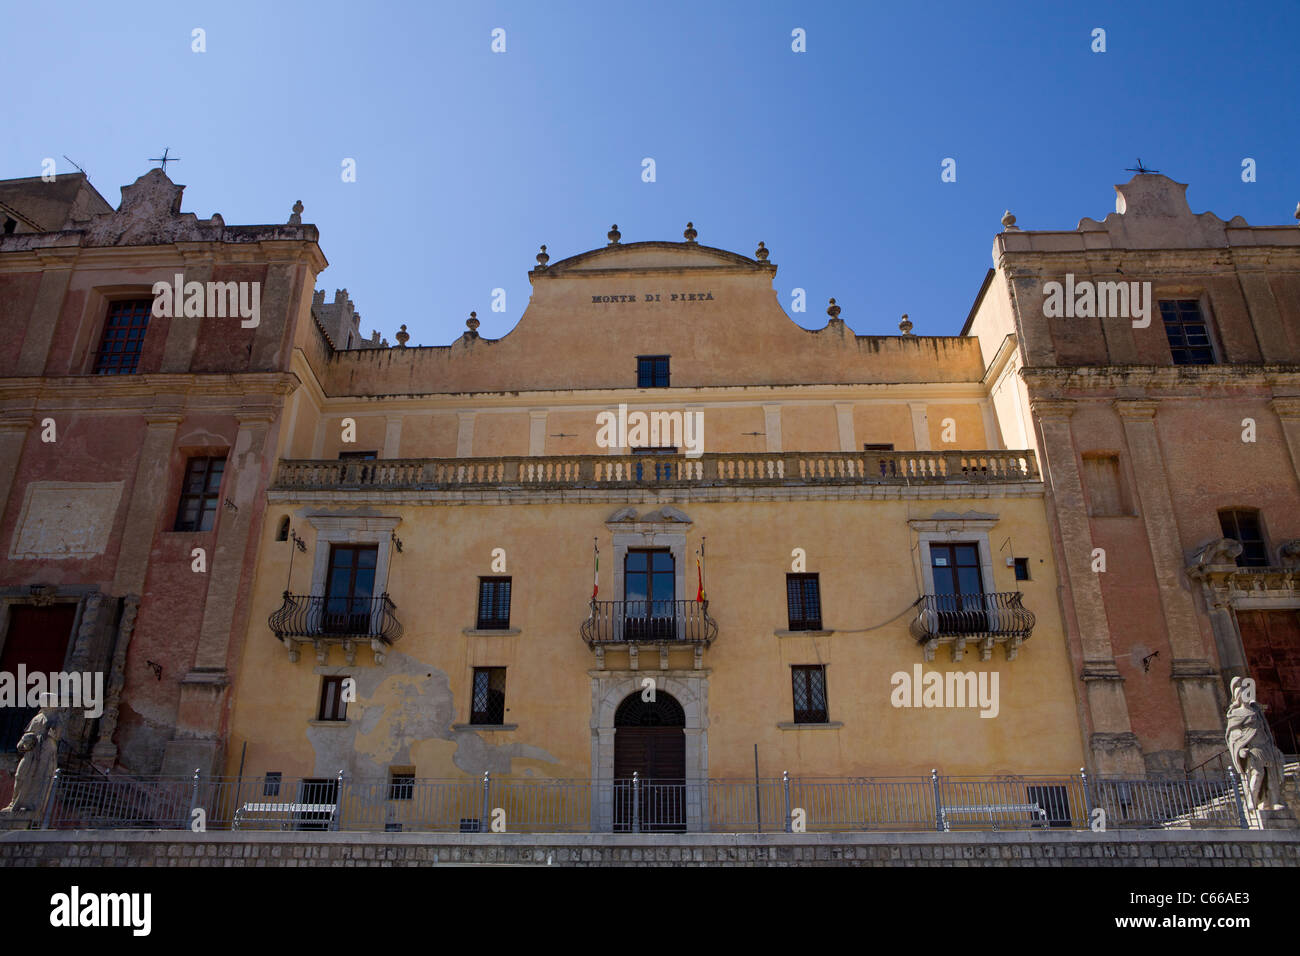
[
  {"x": 165, "y": 159},
  {"x": 1140, "y": 168}
]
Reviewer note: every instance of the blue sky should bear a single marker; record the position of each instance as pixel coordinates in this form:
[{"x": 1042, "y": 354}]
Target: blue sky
[{"x": 467, "y": 160}]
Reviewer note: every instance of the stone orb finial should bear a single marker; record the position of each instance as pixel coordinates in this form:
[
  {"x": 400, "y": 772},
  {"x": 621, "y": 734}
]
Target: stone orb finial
[
  {"x": 761, "y": 253},
  {"x": 402, "y": 337},
  {"x": 905, "y": 326},
  {"x": 690, "y": 232},
  {"x": 614, "y": 235},
  {"x": 1008, "y": 220},
  {"x": 472, "y": 322},
  {"x": 833, "y": 310},
  {"x": 296, "y": 218},
  {"x": 542, "y": 258},
  {"x": 1297, "y": 211}
]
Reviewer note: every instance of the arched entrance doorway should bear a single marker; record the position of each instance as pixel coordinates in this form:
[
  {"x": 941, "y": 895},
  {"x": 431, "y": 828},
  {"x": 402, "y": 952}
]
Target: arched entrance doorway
[{"x": 649, "y": 739}]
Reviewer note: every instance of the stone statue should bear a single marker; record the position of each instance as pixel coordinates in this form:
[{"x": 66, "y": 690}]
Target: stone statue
[
  {"x": 39, "y": 746},
  {"x": 1252, "y": 751}
]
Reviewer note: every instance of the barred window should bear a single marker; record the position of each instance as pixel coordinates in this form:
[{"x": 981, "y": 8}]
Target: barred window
[
  {"x": 804, "y": 602},
  {"x": 401, "y": 785},
  {"x": 271, "y": 785},
  {"x": 489, "y": 699},
  {"x": 809, "y": 693},
  {"x": 493, "y": 604},
  {"x": 123, "y": 339}
]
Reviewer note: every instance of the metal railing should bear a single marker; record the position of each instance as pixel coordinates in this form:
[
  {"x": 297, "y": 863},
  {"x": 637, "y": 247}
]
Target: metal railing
[
  {"x": 665, "y": 622},
  {"x": 999, "y": 615},
  {"x": 316, "y": 617},
  {"x": 714, "y": 468},
  {"x": 791, "y": 804}
]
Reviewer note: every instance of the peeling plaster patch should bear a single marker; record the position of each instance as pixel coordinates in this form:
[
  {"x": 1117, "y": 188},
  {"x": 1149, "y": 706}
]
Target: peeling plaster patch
[
  {"x": 403, "y": 703},
  {"x": 65, "y": 519}
]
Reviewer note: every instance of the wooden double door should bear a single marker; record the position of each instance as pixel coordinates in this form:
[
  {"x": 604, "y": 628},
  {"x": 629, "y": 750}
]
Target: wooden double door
[{"x": 650, "y": 741}]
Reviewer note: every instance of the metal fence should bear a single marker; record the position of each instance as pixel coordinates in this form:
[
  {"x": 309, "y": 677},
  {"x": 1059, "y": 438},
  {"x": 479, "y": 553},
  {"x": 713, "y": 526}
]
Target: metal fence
[{"x": 509, "y": 804}]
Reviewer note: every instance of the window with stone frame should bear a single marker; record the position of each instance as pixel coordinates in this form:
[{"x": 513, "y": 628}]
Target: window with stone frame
[
  {"x": 803, "y": 602},
  {"x": 332, "y": 704},
  {"x": 200, "y": 493},
  {"x": 488, "y": 696},
  {"x": 123, "y": 338},
  {"x": 809, "y": 685},
  {"x": 493, "y": 603}
]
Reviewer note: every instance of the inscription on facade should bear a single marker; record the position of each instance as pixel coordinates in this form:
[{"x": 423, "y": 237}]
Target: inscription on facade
[{"x": 653, "y": 297}]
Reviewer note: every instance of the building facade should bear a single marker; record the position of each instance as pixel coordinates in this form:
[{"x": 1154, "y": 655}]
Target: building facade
[{"x": 1152, "y": 359}]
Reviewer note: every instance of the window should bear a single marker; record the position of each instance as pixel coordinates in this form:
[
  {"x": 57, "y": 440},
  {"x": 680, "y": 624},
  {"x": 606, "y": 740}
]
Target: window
[
  {"x": 488, "y": 705},
  {"x": 809, "y": 694},
  {"x": 271, "y": 785},
  {"x": 1243, "y": 525},
  {"x": 1189, "y": 337},
  {"x": 119, "y": 349},
  {"x": 350, "y": 588},
  {"x": 401, "y": 785},
  {"x": 1022, "y": 569},
  {"x": 282, "y": 533},
  {"x": 1106, "y": 489},
  {"x": 958, "y": 587},
  {"x": 10, "y": 225},
  {"x": 321, "y": 796},
  {"x": 649, "y": 592},
  {"x": 804, "y": 602},
  {"x": 200, "y": 493},
  {"x": 358, "y": 455},
  {"x": 332, "y": 704},
  {"x": 493, "y": 604},
  {"x": 878, "y": 446},
  {"x": 652, "y": 371}
]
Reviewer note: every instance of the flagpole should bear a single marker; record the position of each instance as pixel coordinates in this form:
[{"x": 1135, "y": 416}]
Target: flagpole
[{"x": 704, "y": 566}]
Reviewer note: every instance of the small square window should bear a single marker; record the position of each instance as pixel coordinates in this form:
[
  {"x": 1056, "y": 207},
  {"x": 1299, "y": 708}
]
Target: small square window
[
  {"x": 809, "y": 694},
  {"x": 878, "y": 446},
  {"x": 401, "y": 785},
  {"x": 358, "y": 455},
  {"x": 200, "y": 493},
  {"x": 1022, "y": 569},
  {"x": 332, "y": 704},
  {"x": 804, "y": 602},
  {"x": 652, "y": 371},
  {"x": 271, "y": 784},
  {"x": 493, "y": 604},
  {"x": 488, "y": 704}
]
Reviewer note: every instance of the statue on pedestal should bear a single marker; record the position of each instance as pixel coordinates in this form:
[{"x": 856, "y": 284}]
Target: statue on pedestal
[
  {"x": 39, "y": 746},
  {"x": 1251, "y": 748}
]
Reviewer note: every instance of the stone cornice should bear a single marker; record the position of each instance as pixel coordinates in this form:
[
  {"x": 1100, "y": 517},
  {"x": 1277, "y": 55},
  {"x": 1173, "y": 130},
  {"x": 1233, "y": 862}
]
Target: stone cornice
[
  {"x": 1287, "y": 407},
  {"x": 1136, "y": 410},
  {"x": 62, "y": 252},
  {"x": 1046, "y": 409},
  {"x": 1160, "y": 377},
  {"x": 113, "y": 394}
]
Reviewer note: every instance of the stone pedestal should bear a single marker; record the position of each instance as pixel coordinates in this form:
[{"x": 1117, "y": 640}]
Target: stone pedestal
[{"x": 1277, "y": 820}]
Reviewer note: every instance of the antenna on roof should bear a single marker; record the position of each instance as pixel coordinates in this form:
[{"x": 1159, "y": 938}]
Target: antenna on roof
[{"x": 79, "y": 169}]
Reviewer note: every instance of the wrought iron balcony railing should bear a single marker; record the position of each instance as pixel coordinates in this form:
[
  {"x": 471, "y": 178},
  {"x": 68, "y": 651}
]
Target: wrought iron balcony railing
[
  {"x": 635, "y": 471},
  {"x": 649, "y": 622},
  {"x": 320, "y": 620},
  {"x": 983, "y": 619}
]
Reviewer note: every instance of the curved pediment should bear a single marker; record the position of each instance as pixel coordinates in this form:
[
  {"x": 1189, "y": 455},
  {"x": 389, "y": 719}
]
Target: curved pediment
[{"x": 652, "y": 257}]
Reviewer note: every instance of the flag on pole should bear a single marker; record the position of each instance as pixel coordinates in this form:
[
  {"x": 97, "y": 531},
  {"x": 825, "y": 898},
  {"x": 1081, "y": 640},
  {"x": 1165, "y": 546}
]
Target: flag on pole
[
  {"x": 595, "y": 586},
  {"x": 699, "y": 576}
]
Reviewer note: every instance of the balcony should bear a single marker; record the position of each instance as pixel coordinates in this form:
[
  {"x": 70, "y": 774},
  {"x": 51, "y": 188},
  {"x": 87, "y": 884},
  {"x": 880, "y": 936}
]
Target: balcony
[
  {"x": 320, "y": 621},
  {"x": 660, "y": 471},
  {"x": 662, "y": 624},
  {"x": 985, "y": 619}
]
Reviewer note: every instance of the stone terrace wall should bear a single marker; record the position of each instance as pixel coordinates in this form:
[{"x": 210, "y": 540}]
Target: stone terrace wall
[{"x": 1068, "y": 848}]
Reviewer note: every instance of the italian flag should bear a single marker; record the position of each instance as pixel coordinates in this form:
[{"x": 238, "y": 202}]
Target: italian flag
[{"x": 595, "y": 585}]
